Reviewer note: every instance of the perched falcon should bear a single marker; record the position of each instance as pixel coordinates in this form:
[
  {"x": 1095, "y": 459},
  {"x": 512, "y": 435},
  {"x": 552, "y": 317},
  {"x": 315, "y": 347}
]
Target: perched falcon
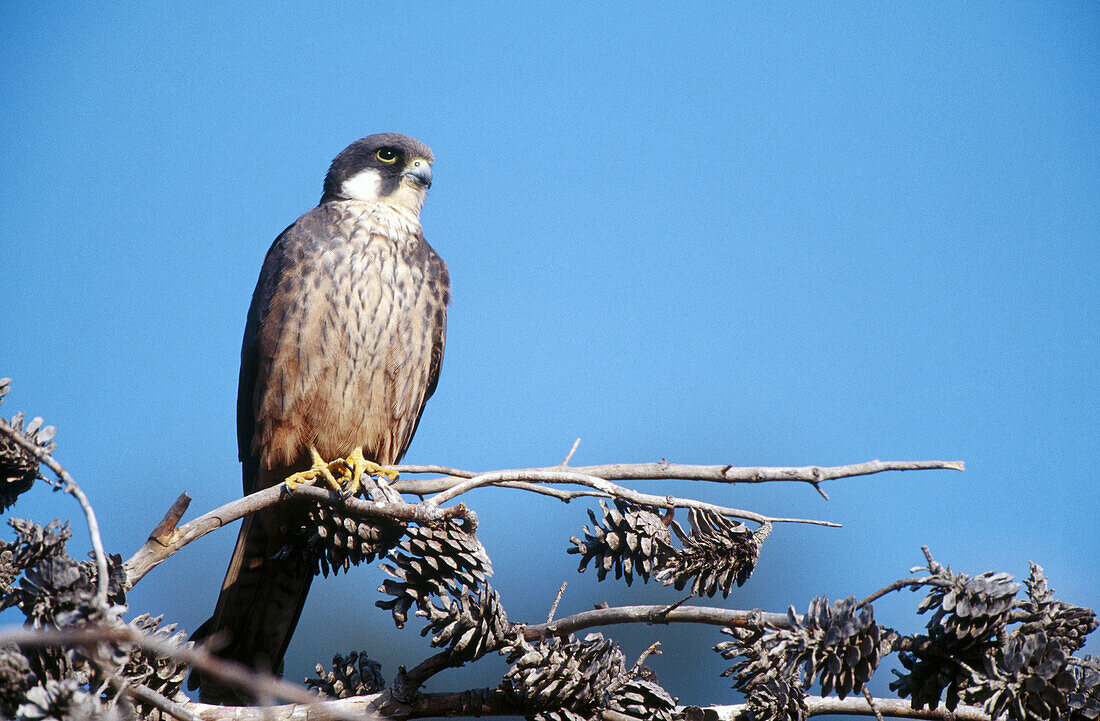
[{"x": 341, "y": 351}]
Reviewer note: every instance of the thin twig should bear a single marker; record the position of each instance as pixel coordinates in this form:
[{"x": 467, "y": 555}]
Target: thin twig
[
  {"x": 569, "y": 455},
  {"x": 557, "y": 600},
  {"x": 871, "y": 702},
  {"x": 654, "y": 649},
  {"x": 70, "y": 486},
  {"x": 900, "y": 584}
]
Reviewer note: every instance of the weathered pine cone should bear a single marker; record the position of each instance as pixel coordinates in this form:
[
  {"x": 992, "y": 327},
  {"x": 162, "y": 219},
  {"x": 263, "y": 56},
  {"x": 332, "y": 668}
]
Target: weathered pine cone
[
  {"x": 717, "y": 553},
  {"x": 642, "y": 699},
  {"x": 469, "y": 627},
  {"x": 18, "y": 466},
  {"x": 430, "y": 561},
  {"x": 1084, "y": 701},
  {"x": 1062, "y": 622},
  {"x": 969, "y": 609},
  {"x": 563, "y": 680},
  {"x": 351, "y": 675},
  {"x": 339, "y": 538},
  {"x": 969, "y": 614},
  {"x": 629, "y": 539},
  {"x": 159, "y": 673},
  {"x": 769, "y": 679},
  {"x": 16, "y": 678},
  {"x": 844, "y": 645},
  {"x": 61, "y": 700},
  {"x": 34, "y": 542},
  {"x": 1027, "y": 679},
  {"x": 930, "y": 676}
]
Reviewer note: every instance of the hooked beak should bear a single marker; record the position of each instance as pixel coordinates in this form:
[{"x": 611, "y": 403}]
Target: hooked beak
[{"x": 419, "y": 171}]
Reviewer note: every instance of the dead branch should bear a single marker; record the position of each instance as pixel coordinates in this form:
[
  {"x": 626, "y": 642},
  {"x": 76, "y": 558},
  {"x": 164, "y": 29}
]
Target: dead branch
[
  {"x": 663, "y": 470},
  {"x": 857, "y": 706},
  {"x": 651, "y": 614}
]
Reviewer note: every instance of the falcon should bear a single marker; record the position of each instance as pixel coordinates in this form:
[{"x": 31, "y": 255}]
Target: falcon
[{"x": 342, "y": 349}]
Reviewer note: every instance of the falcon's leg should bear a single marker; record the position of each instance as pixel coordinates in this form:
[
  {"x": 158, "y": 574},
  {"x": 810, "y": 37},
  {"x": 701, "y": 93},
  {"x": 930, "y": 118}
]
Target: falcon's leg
[
  {"x": 360, "y": 465},
  {"x": 321, "y": 470}
]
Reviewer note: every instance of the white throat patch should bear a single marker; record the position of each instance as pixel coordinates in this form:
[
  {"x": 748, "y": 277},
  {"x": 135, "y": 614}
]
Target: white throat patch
[{"x": 365, "y": 185}]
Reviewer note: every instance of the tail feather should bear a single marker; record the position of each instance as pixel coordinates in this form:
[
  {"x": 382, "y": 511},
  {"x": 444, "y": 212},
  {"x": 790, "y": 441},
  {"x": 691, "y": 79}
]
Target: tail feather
[{"x": 260, "y": 602}]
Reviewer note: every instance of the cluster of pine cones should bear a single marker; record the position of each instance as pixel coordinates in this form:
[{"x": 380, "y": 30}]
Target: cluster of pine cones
[{"x": 714, "y": 555}]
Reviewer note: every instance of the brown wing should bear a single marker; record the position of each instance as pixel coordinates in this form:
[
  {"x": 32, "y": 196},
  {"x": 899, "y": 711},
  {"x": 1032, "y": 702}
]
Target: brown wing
[{"x": 433, "y": 308}]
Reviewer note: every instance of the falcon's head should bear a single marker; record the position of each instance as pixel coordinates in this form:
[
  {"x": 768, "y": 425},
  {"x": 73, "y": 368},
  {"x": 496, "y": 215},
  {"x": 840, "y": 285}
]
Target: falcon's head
[{"x": 387, "y": 167}]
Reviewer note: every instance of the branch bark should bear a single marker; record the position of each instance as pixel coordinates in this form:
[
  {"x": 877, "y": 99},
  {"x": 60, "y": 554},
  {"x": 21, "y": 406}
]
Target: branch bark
[{"x": 663, "y": 470}]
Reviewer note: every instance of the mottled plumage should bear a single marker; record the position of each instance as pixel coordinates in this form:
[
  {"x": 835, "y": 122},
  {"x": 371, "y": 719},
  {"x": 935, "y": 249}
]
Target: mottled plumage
[{"x": 342, "y": 349}]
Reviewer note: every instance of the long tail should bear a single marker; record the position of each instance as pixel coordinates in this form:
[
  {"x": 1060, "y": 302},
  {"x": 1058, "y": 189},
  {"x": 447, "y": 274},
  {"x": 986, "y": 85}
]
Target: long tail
[{"x": 260, "y": 602}]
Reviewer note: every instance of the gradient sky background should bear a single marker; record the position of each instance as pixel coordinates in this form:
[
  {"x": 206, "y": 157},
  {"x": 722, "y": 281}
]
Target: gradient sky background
[{"x": 763, "y": 234}]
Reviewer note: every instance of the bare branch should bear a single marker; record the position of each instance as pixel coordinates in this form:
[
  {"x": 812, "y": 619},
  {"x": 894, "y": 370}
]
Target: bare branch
[
  {"x": 677, "y": 471},
  {"x": 156, "y": 700},
  {"x": 857, "y": 706},
  {"x": 70, "y": 486},
  {"x": 651, "y": 614}
]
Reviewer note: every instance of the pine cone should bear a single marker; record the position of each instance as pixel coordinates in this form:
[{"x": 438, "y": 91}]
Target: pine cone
[
  {"x": 765, "y": 673},
  {"x": 34, "y": 542},
  {"x": 51, "y": 590},
  {"x": 630, "y": 538},
  {"x": 845, "y": 645},
  {"x": 969, "y": 614},
  {"x": 563, "y": 680},
  {"x": 18, "y": 466},
  {"x": 16, "y": 677},
  {"x": 1084, "y": 700},
  {"x": 430, "y": 561},
  {"x": 1026, "y": 680},
  {"x": 642, "y": 699},
  {"x": 969, "y": 609},
  {"x": 339, "y": 538},
  {"x": 60, "y": 701},
  {"x": 930, "y": 675},
  {"x": 353, "y": 675},
  {"x": 1062, "y": 622},
  {"x": 717, "y": 553},
  {"x": 160, "y": 673},
  {"x": 469, "y": 627}
]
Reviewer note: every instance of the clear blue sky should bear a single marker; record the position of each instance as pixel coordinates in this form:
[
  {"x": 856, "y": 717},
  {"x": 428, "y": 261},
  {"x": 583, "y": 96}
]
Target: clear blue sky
[{"x": 755, "y": 234}]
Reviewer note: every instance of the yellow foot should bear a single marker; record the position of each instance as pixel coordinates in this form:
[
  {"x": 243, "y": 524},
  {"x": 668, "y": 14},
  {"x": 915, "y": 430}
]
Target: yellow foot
[
  {"x": 320, "y": 470},
  {"x": 360, "y": 465}
]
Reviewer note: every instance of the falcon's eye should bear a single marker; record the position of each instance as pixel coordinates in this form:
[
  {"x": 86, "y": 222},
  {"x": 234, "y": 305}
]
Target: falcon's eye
[{"x": 387, "y": 155}]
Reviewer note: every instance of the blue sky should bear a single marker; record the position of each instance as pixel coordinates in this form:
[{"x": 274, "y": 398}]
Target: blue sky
[{"x": 758, "y": 234}]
